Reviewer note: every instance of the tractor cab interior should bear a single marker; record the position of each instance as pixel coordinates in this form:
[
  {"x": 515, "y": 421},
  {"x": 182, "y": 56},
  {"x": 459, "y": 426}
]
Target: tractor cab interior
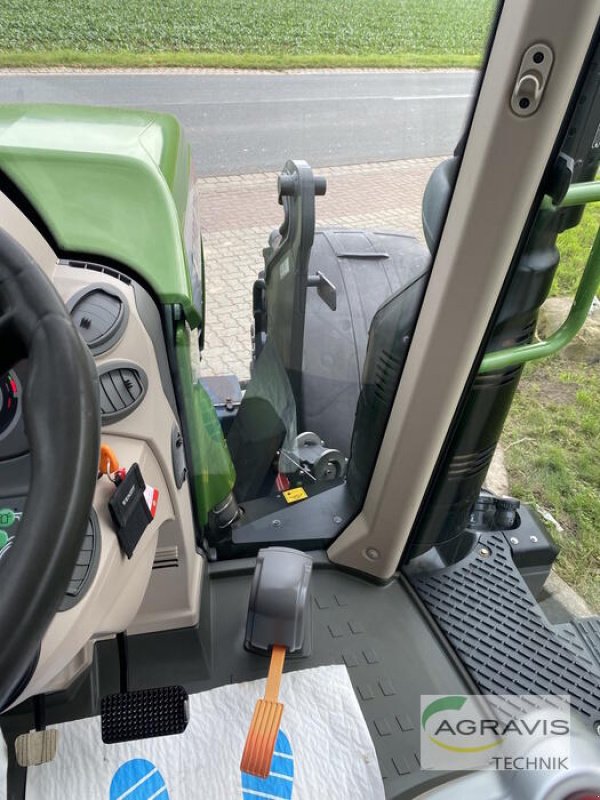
[{"x": 162, "y": 532}]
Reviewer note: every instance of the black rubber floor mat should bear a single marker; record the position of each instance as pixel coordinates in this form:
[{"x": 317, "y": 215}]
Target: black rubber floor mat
[
  {"x": 589, "y": 630},
  {"x": 490, "y": 617}
]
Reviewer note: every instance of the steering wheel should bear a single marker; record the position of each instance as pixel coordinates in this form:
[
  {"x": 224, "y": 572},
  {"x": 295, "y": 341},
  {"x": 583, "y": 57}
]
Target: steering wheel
[{"x": 62, "y": 421}]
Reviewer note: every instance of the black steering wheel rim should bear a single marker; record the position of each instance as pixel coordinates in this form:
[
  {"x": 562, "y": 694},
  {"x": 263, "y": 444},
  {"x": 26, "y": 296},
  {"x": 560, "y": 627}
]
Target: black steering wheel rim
[{"x": 62, "y": 421}]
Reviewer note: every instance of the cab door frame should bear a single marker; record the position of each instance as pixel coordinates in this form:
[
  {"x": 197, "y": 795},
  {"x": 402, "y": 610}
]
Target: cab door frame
[{"x": 497, "y": 189}]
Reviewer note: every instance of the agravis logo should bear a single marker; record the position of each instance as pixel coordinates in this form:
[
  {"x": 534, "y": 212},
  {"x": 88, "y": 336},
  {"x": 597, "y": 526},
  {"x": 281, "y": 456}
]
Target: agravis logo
[
  {"x": 445, "y": 730},
  {"x": 466, "y": 732}
]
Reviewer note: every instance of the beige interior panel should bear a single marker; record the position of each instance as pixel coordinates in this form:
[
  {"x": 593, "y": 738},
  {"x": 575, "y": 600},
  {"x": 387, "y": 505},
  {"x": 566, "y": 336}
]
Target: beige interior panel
[
  {"x": 20, "y": 228},
  {"x": 134, "y": 595},
  {"x": 173, "y": 594},
  {"x": 113, "y": 599}
]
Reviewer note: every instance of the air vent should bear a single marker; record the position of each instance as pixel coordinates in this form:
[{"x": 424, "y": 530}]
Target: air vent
[
  {"x": 114, "y": 273},
  {"x": 387, "y": 372},
  {"x": 86, "y": 565},
  {"x": 167, "y": 556},
  {"x": 100, "y": 314},
  {"x": 122, "y": 388}
]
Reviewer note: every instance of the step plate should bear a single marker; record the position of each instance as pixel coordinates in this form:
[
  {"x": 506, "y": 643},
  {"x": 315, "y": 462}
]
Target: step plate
[{"x": 495, "y": 625}]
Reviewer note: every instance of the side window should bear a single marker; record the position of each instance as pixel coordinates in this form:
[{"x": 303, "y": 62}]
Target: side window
[{"x": 335, "y": 299}]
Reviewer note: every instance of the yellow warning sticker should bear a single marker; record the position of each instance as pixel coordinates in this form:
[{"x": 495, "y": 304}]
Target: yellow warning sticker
[{"x": 293, "y": 495}]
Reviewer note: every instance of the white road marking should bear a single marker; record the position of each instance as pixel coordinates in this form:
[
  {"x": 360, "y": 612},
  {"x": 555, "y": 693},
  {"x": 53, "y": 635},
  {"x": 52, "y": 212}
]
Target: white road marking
[{"x": 287, "y": 100}]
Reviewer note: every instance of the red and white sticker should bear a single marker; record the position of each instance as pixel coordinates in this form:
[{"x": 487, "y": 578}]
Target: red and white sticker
[
  {"x": 151, "y": 496},
  {"x": 282, "y": 482}
]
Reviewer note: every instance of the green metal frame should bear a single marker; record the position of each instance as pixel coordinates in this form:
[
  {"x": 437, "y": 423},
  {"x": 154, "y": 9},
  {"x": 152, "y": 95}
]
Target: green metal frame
[{"x": 578, "y": 195}]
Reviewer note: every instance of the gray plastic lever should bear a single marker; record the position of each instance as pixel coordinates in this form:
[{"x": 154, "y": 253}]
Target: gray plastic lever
[{"x": 277, "y": 609}]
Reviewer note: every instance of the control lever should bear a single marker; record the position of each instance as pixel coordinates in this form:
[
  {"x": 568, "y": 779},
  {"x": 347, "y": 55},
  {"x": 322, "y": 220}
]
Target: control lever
[
  {"x": 278, "y": 606},
  {"x": 276, "y": 623}
]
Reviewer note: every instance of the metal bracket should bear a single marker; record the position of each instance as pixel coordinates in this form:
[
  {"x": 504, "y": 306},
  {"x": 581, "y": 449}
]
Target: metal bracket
[
  {"x": 325, "y": 288},
  {"x": 286, "y": 266},
  {"x": 532, "y": 79}
]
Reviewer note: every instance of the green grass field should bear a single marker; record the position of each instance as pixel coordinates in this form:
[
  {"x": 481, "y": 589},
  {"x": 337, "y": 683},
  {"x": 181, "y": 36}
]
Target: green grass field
[
  {"x": 244, "y": 33},
  {"x": 552, "y": 436},
  {"x": 551, "y": 445}
]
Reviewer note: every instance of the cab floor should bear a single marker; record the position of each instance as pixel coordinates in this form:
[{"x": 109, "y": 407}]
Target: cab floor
[{"x": 391, "y": 651}]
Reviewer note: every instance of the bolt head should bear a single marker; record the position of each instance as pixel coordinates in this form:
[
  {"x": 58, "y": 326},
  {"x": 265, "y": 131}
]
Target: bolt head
[
  {"x": 514, "y": 540},
  {"x": 276, "y": 523},
  {"x": 534, "y": 539},
  {"x": 484, "y": 552},
  {"x": 372, "y": 553},
  {"x": 337, "y": 520}
]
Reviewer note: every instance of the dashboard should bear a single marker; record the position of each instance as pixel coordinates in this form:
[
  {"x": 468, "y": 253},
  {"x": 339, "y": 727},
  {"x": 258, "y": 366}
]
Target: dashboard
[
  {"x": 11, "y": 417},
  {"x": 13, "y": 444},
  {"x": 100, "y": 311},
  {"x": 158, "y": 588}
]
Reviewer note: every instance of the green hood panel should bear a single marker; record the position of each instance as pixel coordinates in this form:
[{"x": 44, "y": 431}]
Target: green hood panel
[{"x": 109, "y": 183}]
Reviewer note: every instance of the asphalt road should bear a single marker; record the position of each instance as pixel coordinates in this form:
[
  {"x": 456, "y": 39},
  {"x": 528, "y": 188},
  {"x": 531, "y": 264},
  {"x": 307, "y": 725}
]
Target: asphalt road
[{"x": 240, "y": 123}]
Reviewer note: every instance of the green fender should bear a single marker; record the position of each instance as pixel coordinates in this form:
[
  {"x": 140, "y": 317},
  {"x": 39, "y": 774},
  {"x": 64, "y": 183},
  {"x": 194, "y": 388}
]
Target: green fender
[{"x": 109, "y": 183}]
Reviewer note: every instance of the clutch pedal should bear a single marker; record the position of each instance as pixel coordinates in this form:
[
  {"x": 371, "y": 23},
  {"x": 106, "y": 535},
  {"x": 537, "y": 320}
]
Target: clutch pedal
[{"x": 40, "y": 745}]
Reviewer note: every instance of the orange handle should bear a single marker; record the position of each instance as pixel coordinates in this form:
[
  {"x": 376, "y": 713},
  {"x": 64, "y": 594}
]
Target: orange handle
[
  {"x": 275, "y": 670},
  {"x": 109, "y": 462}
]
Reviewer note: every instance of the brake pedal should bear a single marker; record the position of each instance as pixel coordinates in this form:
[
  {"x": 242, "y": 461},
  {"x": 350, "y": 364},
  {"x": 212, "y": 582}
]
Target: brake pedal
[{"x": 142, "y": 714}]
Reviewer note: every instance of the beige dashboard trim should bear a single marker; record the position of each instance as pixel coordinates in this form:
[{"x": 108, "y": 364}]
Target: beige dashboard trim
[
  {"x": 124, "y": 594},
  {"x": 20, "y": 228}
]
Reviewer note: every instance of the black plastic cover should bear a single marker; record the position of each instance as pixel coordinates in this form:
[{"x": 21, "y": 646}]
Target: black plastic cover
[
  {"x": 278, "y": 599},
  {"x": 129, "y": 510}
]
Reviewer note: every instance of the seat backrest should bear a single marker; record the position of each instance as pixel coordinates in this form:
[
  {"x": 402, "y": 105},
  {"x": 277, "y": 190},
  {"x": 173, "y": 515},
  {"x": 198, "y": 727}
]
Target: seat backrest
[
  {"x": 389, "y": 339},
  {"x": 436, "y": 199},
  {"x": 390, "y": 335}
]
